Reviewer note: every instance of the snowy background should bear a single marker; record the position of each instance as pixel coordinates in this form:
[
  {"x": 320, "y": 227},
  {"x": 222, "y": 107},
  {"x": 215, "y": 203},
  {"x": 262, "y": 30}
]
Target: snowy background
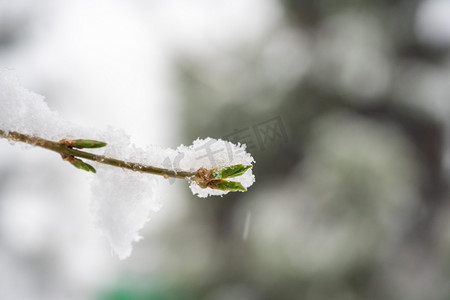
[{"x": 351, "y": 197}]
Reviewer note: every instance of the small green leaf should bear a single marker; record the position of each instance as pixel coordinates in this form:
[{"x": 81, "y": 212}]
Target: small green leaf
[
  {"x": 233, "y": 171},
  {"x": 87, "y": 144},
  {"x": 231, "y": 186},
  {"x": 78, "y": 163},
  {"x": 91, "y": 168}
]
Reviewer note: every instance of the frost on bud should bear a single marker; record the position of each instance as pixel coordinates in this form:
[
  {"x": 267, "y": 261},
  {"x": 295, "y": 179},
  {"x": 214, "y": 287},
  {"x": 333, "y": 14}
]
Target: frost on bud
[
  {"x": 81, "y": 143},
  {"x": 228, "y": 172},
  {"x": 222, "y": 167}
]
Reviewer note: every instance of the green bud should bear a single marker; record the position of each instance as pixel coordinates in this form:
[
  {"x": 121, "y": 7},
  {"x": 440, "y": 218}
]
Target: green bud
[
  {"x": 86, "y": 144},
  {"x": 78, "y": 163},
  {"x": 233, "y": 171},
  {"x": 231, "y": 186}
]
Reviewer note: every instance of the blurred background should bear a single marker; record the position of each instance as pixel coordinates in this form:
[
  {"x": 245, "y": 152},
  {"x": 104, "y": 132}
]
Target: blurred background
[{"x": 343, "y": 104}]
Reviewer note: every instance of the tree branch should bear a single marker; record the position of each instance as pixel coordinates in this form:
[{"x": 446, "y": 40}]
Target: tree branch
[
  {"x": 68, "y": 152},
  {"x": 205, "y": 178}
]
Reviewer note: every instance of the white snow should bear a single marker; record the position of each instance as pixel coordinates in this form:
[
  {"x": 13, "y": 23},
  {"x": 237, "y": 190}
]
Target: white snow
[
  {"x": 211, "y": 153},
  {"x": 122, "y": 200}
]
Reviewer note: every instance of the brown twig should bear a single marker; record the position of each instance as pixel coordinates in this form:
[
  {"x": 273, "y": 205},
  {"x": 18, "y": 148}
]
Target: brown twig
[{"x": 68, "y": 153}]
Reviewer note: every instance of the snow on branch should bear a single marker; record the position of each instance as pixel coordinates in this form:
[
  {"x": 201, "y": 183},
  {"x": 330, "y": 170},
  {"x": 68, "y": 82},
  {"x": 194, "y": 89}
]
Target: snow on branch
[{"x": 122, "y": 189}]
